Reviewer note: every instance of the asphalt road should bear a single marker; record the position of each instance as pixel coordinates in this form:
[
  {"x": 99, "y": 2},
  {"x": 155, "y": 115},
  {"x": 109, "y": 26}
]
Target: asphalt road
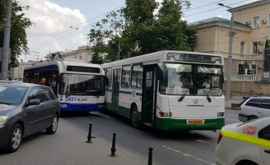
[{"x": 68, "y": 146}]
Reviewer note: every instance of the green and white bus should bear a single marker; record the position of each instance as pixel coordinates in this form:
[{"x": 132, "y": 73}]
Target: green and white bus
[{"x": 168, "y": 90}]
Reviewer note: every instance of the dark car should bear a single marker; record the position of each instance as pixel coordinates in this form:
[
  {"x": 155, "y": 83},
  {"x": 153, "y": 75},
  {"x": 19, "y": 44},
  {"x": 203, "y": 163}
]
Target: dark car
[{"x": 25, "y": 109}]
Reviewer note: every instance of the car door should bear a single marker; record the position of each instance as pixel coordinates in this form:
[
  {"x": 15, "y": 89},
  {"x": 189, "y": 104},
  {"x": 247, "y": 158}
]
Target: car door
[
  {"x": 265, "y": 152},
  {"x": 49, "y": 106},
  {"x": 253, "y": 107},
  {"x": 265, "y": 107},
  {"x": 33, "y": 113}
]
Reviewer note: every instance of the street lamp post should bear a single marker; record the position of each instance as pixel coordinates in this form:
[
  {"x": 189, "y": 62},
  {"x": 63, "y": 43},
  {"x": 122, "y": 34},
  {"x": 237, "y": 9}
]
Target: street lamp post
[
  {"x": 230, "y": 60},
  {"x": 6, "y": 42}
]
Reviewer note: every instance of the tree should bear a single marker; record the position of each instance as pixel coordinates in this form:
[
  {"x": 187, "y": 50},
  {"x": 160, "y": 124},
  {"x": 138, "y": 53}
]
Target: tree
[
  {"x": 173, "y": 32},
  {"x": 19, "y": 24},
  {"x": 140, "y": 25},
  {"x": 136, "y": 30},
  {"x": 105, "y": 34},
  {"x": 139, "y": 12}
]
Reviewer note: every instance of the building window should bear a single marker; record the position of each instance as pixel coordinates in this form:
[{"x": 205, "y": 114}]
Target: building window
[
  {"x": 255, "y": 47},
  {"x": 248, "y": 23},
  {"x": 256, "y": 22},
  {"x": 242, "y": 48},
  {"x": 247, "y": 69}
]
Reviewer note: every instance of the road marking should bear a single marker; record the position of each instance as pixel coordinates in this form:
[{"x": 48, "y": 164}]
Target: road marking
[
  {"x": 187, "y": 155},
  {"x": 202, "y": 141}
]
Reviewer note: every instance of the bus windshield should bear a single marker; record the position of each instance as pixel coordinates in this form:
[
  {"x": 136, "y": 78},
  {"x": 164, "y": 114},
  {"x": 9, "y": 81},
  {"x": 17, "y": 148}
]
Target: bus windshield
[
  {"x": 192, "y": 79},
  {"x": 82, "y": 85}
]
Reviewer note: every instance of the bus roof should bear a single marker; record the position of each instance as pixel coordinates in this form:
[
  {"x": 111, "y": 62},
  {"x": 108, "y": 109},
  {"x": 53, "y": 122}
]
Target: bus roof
[
  {"x": 46, "y": 63},
  {"x": 152, "y": 58},
  {"x": 62, "y": 65}
]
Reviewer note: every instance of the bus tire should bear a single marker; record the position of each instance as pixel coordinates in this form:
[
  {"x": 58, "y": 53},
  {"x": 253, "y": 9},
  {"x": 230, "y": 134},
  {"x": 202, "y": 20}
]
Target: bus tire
[{"x": 134, "y": 117}]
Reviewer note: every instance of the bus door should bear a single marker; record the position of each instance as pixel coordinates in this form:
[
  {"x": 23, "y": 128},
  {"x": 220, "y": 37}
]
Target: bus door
[
  {"x": 149, "y": 94},
  {"x": 115, "y": 88}
]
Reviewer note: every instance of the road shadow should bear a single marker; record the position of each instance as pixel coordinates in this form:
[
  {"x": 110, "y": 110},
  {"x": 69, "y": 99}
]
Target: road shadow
[
  {"x": 26, "y": 141},
  {"x": 74, "y": 114},
  {"x": 165, "y": 135}
]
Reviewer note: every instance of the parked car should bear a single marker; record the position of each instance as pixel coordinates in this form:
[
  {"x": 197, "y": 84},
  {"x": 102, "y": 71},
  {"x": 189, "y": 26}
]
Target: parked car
[
  {"x": 244, "y": 143},
  {"x": 25, "y": 109},
  {"x": 255, "y": 107}
]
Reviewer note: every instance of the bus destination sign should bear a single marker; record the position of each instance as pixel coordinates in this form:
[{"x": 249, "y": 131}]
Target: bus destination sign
[{"x": 195, "y": 58}]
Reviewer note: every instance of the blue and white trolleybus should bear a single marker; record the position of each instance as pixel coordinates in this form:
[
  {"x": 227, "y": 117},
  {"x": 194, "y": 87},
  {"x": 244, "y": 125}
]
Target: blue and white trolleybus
[{"x": 79, "y": 86}]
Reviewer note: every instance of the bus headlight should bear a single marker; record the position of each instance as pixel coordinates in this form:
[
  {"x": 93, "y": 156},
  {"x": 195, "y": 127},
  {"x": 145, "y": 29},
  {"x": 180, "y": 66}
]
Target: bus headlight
[{"x": 3, "y": 120}]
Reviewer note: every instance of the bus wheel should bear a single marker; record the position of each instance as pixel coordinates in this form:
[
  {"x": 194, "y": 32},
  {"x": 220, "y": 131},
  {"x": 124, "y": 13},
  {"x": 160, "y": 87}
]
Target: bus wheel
[{"x": 134, "y": 117}]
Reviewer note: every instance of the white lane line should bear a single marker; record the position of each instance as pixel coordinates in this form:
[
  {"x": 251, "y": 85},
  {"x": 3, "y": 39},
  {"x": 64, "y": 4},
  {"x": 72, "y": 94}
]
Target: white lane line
[
  {"x": 202, "y": 141},
  {"x": 187, "y": 155}
]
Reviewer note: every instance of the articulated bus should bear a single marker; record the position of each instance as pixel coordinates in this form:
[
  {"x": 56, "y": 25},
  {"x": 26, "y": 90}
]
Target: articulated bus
[
  {"x": 79, "y": 86},
  {"x": 168, "y": 90}
]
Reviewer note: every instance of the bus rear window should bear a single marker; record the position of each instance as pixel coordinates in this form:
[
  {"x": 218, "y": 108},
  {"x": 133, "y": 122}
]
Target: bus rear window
[{"x": 83, "y": 69}]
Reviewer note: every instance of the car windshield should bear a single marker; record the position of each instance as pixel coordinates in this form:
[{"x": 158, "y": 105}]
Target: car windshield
[
  {"x": 12, "y": 95},
  {"x": 82, "y": 85},
  {"x": 188, "y": 79}
]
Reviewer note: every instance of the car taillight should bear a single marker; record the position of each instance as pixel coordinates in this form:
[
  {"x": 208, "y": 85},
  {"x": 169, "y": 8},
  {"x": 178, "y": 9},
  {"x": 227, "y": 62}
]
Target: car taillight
[{"x": 220, "y": 136}]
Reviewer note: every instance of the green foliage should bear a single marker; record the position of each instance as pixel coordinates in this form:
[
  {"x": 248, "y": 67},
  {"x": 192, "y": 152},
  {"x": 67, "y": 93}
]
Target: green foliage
[
  {"x": 140, "y": 11},
  {"x": 139, "y": 31},
  {"x": 105, "y": 34},
  {"x": 267, "y": 44},
  {"x": 19, "y": 24}
]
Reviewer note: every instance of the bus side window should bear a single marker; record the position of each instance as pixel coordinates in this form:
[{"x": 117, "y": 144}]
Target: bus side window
[
  {"x": 137, "y": 76},
  {"x": 125, "y": 79}
]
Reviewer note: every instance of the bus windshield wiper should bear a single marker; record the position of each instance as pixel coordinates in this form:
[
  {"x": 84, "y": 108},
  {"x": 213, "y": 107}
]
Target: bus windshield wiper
[
  {"x": 182, "y": 98},
  {"x": 208, "y": 98}
]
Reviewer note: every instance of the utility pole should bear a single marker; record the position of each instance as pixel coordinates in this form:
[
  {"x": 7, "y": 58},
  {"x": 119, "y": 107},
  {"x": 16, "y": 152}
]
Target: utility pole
[
  {"x": 6, "y": 41},
  {"x": 119, "y": 50},
  {"x": 230, "y": 59}
]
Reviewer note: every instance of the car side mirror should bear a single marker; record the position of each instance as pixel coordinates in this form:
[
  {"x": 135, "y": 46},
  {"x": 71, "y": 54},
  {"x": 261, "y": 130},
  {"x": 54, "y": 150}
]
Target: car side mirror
[
  {"x": 33, "y": 102},
  {"x": 246, "y": 118}
]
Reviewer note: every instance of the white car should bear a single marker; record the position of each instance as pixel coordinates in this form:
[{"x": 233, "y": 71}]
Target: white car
[
  {"x": 255, "y": 107},
  {"x": 244, "y": 143}
]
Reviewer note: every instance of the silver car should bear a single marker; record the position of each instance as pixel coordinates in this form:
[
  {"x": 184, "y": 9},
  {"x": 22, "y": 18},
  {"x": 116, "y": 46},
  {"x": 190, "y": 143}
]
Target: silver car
[{"x": 255, "y": 107}]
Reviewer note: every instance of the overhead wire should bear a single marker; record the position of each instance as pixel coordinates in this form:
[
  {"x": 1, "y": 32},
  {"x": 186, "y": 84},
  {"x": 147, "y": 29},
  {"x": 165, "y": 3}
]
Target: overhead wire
[{"x": 203, "y": 12}]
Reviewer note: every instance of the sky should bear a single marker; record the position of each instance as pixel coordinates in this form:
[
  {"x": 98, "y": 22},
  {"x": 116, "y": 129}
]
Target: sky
[{"x": 61, "y": 25}]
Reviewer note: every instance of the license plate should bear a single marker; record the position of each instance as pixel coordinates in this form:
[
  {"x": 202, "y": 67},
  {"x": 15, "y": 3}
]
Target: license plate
[{"x": 195, "y": 122}]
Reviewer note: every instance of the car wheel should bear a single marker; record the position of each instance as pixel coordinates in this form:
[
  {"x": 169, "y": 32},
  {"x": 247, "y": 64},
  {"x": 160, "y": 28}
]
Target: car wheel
[
  {"x": 246, "y": 162},
  {"x": 134, "y": 117},
  {"x": 54, "y": 126},
  {"x": 15, "y": 138}
]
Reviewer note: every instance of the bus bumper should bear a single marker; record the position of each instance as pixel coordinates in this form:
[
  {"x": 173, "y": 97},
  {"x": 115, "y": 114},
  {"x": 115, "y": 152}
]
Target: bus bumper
[
  {"x": 68, "y": 107},
  {"x": 167, "y": 124}
]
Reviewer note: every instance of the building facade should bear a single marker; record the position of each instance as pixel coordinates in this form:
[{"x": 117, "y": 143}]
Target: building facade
[
  {"x": 251, "y": 29},
  {"x": 82, "y": 54}
]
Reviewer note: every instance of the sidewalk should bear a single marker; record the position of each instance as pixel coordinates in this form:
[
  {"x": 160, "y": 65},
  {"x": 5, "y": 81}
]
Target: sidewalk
[{"x": 69, "y": 147}]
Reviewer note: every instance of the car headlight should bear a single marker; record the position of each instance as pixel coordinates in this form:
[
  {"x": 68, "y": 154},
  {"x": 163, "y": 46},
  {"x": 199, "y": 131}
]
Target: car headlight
[{"x": 3, "y": 119}]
